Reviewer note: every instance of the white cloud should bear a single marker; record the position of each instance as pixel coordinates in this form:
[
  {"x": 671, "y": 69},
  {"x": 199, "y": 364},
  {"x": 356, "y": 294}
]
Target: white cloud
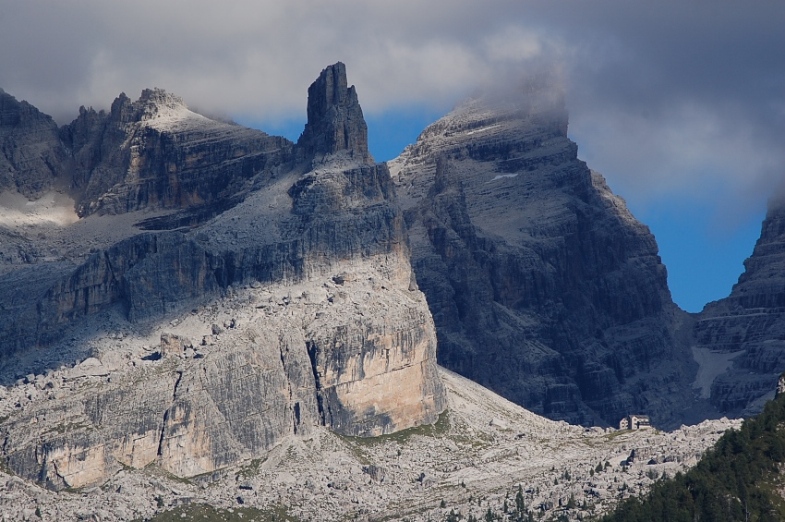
[
  {"x": 688, "y": 150},
  {"x": 650, "y": 85},
  {"x": 513, "y": 44}
]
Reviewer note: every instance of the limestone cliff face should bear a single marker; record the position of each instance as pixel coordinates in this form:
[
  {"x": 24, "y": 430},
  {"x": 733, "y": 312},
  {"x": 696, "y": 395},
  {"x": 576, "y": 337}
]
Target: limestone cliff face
[
  {"x": 288, "y": 357},
  {"x": 155, "y": 153},
  {"x": 293, "y": 307},
  {"x": 749, "y": 325},
  {"x": 542, "y": 285},
  {"x": 31, "y": 155}
]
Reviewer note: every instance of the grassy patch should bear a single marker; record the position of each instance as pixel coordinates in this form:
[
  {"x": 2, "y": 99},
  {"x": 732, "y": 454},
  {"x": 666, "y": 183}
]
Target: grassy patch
[
  {"x": 616, "y": 434},
  {"x": 207, "y": 513},
  {"x": 250, "y": 470},
  {"x": 154, "y": 469},
  {"x": 5, "y": 468},
  {"x": 357, "y": 444},
  {"x": 439, "y": 428}
]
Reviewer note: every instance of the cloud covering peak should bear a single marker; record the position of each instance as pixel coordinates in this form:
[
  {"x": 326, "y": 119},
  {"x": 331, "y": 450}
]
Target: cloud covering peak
[{"x": 667, "y": 97}]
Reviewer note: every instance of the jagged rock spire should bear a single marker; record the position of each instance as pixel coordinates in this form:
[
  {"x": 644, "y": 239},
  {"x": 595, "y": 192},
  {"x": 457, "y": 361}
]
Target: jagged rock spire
[{"x": 335, "y": 119}]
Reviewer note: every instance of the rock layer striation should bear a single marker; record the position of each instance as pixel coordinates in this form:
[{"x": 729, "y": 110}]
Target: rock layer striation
[
  {"x": 155, "y": 153},
  {"x": 542, "y": 285},
  {"x": 291, "y": 307},
  {"x": 32, "y": 159},
  {"x": 748, "y": 327}
]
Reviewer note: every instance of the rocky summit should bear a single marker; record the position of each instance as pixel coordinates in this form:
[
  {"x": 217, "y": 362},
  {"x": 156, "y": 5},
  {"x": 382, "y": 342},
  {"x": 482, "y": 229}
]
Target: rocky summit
[
  {"x": 155, "y": 153},
  {"x": 542, "y": 285},
  {"x": 294, "y": 307}
]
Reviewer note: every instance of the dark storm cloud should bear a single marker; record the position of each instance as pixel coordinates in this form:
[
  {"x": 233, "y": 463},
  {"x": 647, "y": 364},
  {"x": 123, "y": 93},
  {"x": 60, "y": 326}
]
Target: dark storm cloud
[{"x": 664, "y": 96}]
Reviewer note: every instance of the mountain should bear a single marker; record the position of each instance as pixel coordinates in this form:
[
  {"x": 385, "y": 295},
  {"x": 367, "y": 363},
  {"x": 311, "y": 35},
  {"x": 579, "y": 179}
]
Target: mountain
[
  {"x": 195, "y": 311},
  {"x": 542, "y": 285},
  {"x": 744, "y": 334},
  {"x": 287, "y": 303}
]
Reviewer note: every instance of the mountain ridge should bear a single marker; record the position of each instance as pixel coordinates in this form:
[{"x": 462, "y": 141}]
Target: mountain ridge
[
  {"x": 218, "y": 303},
  {"x": 298, "y": 313},
  {"x": 548, "y": 266}
]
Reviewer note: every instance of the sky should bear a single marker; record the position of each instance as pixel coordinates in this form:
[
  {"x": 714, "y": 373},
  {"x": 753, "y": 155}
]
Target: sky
[{"x": 681, "y": 105}]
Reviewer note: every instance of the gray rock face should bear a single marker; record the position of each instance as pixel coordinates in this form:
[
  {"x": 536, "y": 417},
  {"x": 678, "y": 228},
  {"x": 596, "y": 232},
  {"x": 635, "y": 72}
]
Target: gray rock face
[
  {"x": 155, "y": 153},
  {"x": 31, "y": 155},
  {"x": 750, "y": 323},
  {"x": 542, "y": 285},
  {"x": 278, "y": 372},
  {"x": 407, "y": 476},
  {"x": 314, "y": 264},
  {"x": 335, "y": 216},
  {"x": 335, "y": 119}
]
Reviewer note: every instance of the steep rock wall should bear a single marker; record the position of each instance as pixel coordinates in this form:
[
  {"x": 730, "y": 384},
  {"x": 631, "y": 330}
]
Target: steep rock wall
[
  {"x": 750, "y": 324},
  {"x": 335, "y": 118},
  {"x": 326, "y": 327},
  {"x": 542, "y": 285},
  {"x": 321, "y": 356}
]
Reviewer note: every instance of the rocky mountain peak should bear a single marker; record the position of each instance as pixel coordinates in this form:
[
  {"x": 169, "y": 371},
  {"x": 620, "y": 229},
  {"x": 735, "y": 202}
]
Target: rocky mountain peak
[
  {"x": 351, "y": 347},
  {"x": 335, "y": 119},
  {"x": 152, "y": 104},
  {"x": 156, "y": 153},
  {"x": 158, "y": 102},
  {"x": 14, "y": 113},
  {"x": 773, "y": 229},
  {"x": 541, "y": 283},
  {"x": 31, "y": 155},
  {"x": 762, "y": 283},
  {"x": 120, "y": 106}
]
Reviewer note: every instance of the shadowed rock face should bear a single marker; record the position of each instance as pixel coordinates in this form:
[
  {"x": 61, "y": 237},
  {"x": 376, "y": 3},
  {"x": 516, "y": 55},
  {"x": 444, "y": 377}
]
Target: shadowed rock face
[
  {"x": 313, "y": 266},
  {"x": 31, "y": 155},
  {"x": 335, "y": 119},
  {"x": 542, "y": 285},
  {"x": 751, "y": 324},
  {"x": 155, "y": 153}
]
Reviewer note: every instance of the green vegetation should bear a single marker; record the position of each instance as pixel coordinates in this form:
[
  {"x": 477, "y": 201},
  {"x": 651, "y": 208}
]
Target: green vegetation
[
  {"x": 738, "y": 479},
  {"x": 250, "y": 470},
  {"x": 5, "y": 468},
  {"x": 356, "y": 444},
  {"x": 205, "y": 513},
  {"x": 439, "y": 428},
  {"x": 154, "y": 469}
]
